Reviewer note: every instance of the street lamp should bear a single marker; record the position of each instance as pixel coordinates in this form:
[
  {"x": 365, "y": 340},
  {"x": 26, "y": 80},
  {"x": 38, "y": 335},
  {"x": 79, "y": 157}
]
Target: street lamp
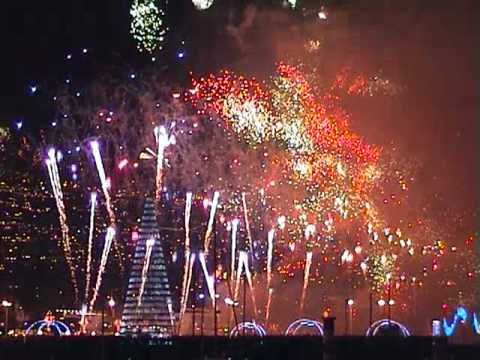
[
  {"x": 111, "y": 304},
  {"x": 322, "y": 15},
  {"x": 230, "y": 302},
  {"x": 391, "y": 302},
  {"x": 6, "y": 305},
  {"x": 201, "y": 297},
  {"x": 382, "y": 304}
]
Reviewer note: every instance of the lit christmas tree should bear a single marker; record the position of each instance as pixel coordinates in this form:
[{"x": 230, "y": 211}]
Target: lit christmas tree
[{"x": 148, "y": 304}]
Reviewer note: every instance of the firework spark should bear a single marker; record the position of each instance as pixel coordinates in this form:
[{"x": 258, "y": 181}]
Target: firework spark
[
  {"x": 243, "y": 265},
  {"x": 183, "y": 306},
  {"x": 105, "y": 183},
  {"x": 211, "y": 219},
  {"x": 103, "y": 263},
  {"x": 146, "y": 264},
  {"x": 233, "y": 248},
  {"x": 271, "y": 234},
  {"x": 146, "y": 27},
  {"x": 208, "y": 278},
  {"x": 247, "y": 224},
  {"x": 269, "y": 303},
  {"x": 93, "y": 203},
  {"x": 306, "y": 278},
  {"x": 163, "y": 140},
  {"x": 58, "y": 193},
  {"x": 188, "y": 265}
]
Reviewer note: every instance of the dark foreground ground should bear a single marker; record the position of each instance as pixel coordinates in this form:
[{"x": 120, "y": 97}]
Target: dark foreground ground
[{"x": 117, "y": 348}]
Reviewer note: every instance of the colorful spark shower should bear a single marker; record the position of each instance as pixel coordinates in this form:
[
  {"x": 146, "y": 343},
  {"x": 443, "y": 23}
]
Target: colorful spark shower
[
  {"x": 318, "y": 183},
  {"x": 259, "y": 156},
  {"x": 302, "y": 196},
  {"x": 328, "y": 176},
  {"x": 147, "y": 25}
]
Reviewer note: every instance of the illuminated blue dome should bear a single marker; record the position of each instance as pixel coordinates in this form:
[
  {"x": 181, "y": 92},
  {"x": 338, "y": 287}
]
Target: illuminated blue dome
[{"x": 48, "y": 326}]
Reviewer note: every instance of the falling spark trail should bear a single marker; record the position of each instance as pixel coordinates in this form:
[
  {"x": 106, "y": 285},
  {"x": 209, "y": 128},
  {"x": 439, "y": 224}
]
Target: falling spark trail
[
  {"x": 188, "y": 211},
  {"x": 234, "y": 248},
  {"x": 93, "y": 203},
  {"x": 183, "y": 306},
  {"x": 267, "y": 310},
  {"x": 271, "y": 234},
  {"x": 108, "y": 200},
  {"x": 308, "y": 263},
  {"x": 213, "y": 209},
  {"x": 170, "y": 312},
  {"x": 163, "y": 141},
  {"x": 239, "y": 276},
  {"x": 58, "y": 194},
  {"x": 243, "y": 264},
  {"x": 83, "y": 322},
  {"x": 146, "y": 264},
  {"x": 247, "y": 225},
  {"x": 103, "y": 262},
  {"x": 250, "y": 283},
  {"x": 208, "y": 278},
  {"x": 103, "y": 180}
]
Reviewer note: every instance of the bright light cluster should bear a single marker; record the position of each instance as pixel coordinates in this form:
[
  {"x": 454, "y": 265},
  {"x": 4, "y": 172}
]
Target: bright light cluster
[
  {"x": 332, "y": 168},
  {"x": 202, "y": 4},
  {"x": 147, "y": 25},
  {"x": 285, "y": 161},
  {"x": 322, "y": 155}
]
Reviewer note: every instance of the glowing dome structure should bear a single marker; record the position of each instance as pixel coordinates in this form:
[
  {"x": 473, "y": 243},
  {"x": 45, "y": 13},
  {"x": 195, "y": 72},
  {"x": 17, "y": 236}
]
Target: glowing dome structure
[
  {"x": 48, "y": 326},
  {"x": 305, "y": 327},
  {"x": 248, "y": 328},
  {"x": 386, "y": 327}
]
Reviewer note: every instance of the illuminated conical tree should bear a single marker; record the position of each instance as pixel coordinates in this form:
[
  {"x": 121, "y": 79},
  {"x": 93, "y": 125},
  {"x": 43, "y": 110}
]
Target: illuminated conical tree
[{"x": 148, "y": 303}]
